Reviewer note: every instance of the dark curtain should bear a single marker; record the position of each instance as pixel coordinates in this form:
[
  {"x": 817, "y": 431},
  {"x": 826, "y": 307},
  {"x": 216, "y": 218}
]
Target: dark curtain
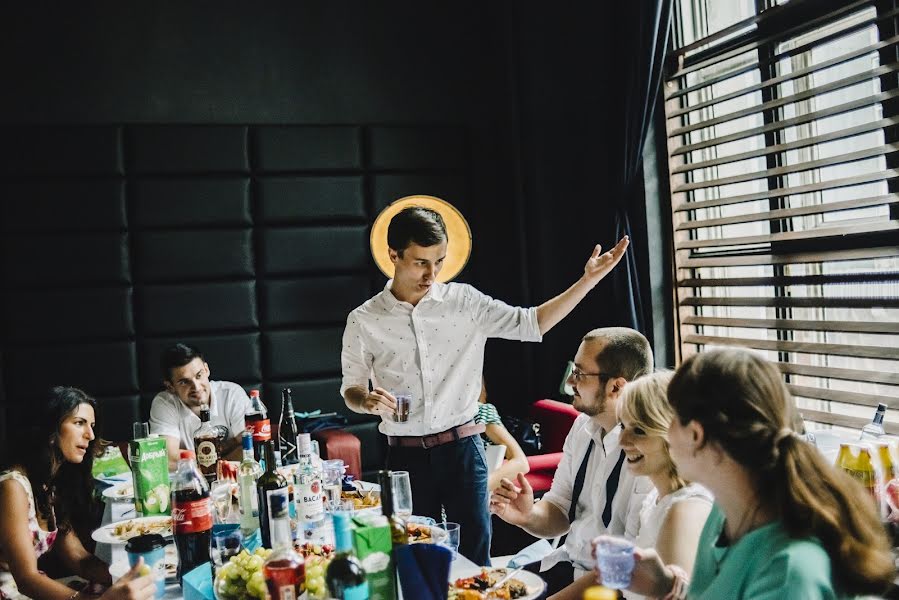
[{"x": 640, "y": 40}]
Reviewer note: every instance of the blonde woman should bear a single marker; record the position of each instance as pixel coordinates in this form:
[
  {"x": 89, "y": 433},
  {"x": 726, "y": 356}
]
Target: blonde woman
[{"x": 675, "y": 510}]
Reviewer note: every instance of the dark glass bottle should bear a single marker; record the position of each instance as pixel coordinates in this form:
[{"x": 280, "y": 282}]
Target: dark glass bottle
[
  {"x": 345, "y": 576},
  {"x": 270, "y": 481},
  {"x": 208, "y": 444},
  {"x": 287, "y": 430},
  {"x": 398, "y": 533}
]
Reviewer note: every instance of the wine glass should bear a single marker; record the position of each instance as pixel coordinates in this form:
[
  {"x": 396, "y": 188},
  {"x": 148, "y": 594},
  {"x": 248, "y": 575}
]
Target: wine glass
[
  {"x": 402, "y": 494},
  {"x": 221, "y": 499}
]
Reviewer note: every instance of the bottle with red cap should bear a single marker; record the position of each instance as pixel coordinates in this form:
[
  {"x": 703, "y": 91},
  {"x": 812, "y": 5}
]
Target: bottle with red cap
[
  {"x": 257, "y": 422},
  {"x": 191, "y": 514}
]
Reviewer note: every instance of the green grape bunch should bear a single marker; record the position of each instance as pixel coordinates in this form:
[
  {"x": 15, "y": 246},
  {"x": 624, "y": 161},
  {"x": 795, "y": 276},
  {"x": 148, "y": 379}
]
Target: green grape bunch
[{"x": 241, "y": 578}]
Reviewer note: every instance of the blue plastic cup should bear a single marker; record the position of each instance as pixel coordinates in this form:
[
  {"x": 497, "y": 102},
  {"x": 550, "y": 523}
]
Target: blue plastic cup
[{"x": 151, "y": 548}]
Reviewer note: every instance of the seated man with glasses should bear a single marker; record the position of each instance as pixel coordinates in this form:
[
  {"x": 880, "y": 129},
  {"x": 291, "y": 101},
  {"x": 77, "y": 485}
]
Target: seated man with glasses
[{"x": 591, "y": 493}]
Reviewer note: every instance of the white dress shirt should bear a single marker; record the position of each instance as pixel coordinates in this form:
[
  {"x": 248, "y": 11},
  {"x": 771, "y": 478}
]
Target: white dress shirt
[
  {"x": 228, "y": 405},
  {"x": 433, "y": 351},
  {"x": 588, "y": 523}
]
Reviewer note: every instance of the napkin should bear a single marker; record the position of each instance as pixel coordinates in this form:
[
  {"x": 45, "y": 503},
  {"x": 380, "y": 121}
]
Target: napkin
[
  {"x": 197, "y": 585},
  {"x": 424, "y": 570}
]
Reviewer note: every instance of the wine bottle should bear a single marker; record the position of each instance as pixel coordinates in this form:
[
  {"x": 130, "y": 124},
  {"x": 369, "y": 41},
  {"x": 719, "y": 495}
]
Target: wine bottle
[
  {"x": 398, "y": 533},
  {"x": 345, "y": 576},
  {"x": 271, "y": 481},
  {"x": 248, "y": 474},
  {"x": 287, "y": 430}
]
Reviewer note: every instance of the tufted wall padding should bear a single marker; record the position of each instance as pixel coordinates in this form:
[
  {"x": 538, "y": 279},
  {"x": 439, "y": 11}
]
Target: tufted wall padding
[
  {"x": 177, "y": 203},
  {"x": 69, "y": 315},
  {"x": 248, "y": 241},
  {"x": 320, "y": 198},
  {"x": 67, "y": 205},
  {"x": 307, "y": 148},
  {"x": 210, "y": 306}
]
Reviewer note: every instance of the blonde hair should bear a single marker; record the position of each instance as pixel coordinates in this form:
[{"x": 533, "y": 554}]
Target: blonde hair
[{"x": 644, "y": 402}]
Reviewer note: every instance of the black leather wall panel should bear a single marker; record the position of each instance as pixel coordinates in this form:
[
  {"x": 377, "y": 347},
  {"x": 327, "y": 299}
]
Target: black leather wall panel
[
  {"x": 417, "y": 147},
  {"x": 287, "y": 148},
  {"x": 287, "y": 200},
  {"x": 179, "y": 203},
  {"x": 190, "y": 308},
  {"x": 194, "y": 255},
  {"x": 233, "y": 357},
  {"x": 63, "y": 259},
  {"x": 310, "y": 249},
  {"x": 313, "y": 300},
  {"x": 387, "y": 188},
  {"x": 101, "y": 369},
  {"x": 66, "y": 205},
  {"x": 68, "y": 315},
  {"x": 187, "y": 149},
  {"x": 116, "y": 414},
  {"x": 45, "y": 150},
  {"x": 309, "y": 353},
  {"x": 248, "y": 241}
]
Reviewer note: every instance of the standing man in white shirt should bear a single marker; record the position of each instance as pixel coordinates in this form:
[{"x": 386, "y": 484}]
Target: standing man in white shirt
[
  {"x": 592, "y": 492},
  {"x": 175, "y": 413},
  {"x": 426, "y": 339}
]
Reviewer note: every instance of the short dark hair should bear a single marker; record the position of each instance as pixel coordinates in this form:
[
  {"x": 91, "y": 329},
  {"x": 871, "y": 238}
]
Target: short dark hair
[
  {"x": 176, "y": 356},
  {"x": 625, "y": 353},
  {"x": 415, "y": 224}
]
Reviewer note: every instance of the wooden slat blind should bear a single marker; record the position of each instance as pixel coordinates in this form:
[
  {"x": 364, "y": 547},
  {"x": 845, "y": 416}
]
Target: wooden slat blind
[{"x": 783, "y": 147}]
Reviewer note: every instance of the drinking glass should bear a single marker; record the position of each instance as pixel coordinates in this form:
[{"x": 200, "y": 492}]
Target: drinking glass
[
  {"x": 453, "y": 532},
  {"x": 402, "y": 494},
  {"x": 615, "y": 561},
  {"x": 221, "y": 499}
]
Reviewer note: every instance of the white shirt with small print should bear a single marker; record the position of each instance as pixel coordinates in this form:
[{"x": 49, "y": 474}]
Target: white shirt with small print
[
  {"x": 626, "y": 503},
  {"x": 433, "y": 351},
  {"x": 170, "y": 417}
]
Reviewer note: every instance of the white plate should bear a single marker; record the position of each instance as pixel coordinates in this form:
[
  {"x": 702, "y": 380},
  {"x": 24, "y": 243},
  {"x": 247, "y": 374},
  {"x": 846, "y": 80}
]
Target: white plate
[
  {"x": 126, "y": 476},
  {"x": 106, "y": 534},
  {"x": 536, "y": 586},
  {"x": 120, "y": 492}
]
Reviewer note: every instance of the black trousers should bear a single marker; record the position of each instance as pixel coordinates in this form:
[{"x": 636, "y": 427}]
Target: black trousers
[
  {"x": 452, "y": 477},
  {"x": 560, "y": 576}
]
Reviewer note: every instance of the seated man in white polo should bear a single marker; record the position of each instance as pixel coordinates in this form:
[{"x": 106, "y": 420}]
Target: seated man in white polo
[{"x": 175, "y": 412}]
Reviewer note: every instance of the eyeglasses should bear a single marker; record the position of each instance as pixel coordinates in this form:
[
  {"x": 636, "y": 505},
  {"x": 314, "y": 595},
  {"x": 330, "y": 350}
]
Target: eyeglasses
[{"x": 579, "y": 375}]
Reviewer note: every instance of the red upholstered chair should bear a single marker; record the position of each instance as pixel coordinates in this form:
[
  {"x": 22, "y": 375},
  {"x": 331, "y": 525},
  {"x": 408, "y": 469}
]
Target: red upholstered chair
[{"x": 555, "y": 420}]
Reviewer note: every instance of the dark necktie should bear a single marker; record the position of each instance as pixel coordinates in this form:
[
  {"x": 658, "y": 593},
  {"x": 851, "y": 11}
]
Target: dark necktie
[
  {"x": 578, "y": 486},
  {"x": 611, "y": 488}
]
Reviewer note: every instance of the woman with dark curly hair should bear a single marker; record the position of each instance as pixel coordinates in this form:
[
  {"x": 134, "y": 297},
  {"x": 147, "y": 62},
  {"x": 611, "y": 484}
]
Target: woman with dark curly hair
[
  {"x": 785, "y": 523},
  {"x": 44, "y": 492}
]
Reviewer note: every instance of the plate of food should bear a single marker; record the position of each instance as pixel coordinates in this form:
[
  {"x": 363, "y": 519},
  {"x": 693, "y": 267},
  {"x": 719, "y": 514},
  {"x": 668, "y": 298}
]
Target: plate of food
[
  {"x": 363, "y": 500},
  {"x": 524, "y": 585},
  {"x": 121, "y": 532},
  {"x": 424, "y": 533},
  {"x": 121, "y": 491}
]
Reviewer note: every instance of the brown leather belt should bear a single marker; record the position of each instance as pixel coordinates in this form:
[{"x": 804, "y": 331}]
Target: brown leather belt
[{"x": 436, "y": 439}]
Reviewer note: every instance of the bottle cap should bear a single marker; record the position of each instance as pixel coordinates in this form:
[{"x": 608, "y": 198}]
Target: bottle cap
[
  {"x": 254, "y": 393},
  {"x": 187, "y": 454},
  {"x": 247, "y": 440},
  {"x": 343, "y": 533}
]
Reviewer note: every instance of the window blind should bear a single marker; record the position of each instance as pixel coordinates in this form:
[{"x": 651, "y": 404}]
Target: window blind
[{"x": 783, "y": 153}]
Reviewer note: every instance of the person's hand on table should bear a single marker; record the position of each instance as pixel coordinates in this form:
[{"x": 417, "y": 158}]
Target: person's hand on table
[
  {"x": 132, "y": 585},
  {"x": 379, "y": 402}
]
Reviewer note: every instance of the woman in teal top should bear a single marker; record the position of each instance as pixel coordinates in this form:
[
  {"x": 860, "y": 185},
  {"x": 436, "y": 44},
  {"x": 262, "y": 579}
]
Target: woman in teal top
[{"x": 786, "y": 524}]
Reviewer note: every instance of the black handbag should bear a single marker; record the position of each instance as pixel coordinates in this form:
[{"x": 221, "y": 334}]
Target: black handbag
[{"x": 526, "y": 433}]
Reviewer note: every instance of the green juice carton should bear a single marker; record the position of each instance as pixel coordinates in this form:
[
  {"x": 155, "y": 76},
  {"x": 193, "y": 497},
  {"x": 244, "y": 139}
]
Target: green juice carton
[
  {"x": 374, "y": 549},
  {"x": 150, "y": 470}
]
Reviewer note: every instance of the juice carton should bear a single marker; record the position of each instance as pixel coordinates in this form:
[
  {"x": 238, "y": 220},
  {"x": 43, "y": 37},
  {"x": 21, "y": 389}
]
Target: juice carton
[
  {"x": 374, "y": 549},
  {"x": 150, "y": 470}
]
